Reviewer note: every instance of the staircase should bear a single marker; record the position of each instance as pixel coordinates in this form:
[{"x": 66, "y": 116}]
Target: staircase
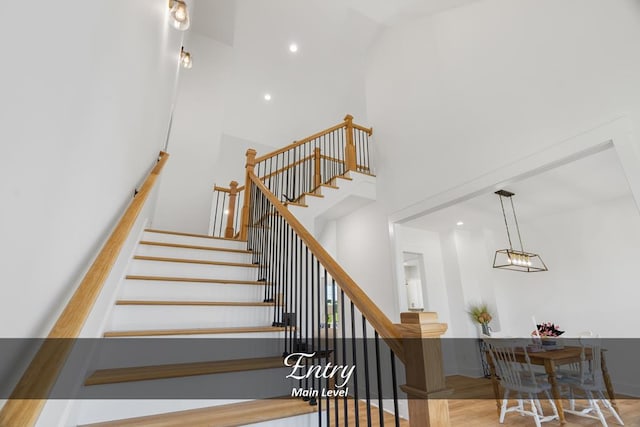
[
  {"x": 205, "y": 330},
  {"x": 205, "y": 289}
]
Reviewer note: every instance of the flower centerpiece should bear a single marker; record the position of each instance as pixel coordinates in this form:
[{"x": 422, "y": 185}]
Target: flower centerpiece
[
  {"x": 479, "y": 313},
  {"x": 547, "y": 331}
]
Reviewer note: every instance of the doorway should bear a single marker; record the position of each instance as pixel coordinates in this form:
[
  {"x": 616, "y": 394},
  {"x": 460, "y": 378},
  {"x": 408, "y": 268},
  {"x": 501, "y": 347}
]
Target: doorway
[{"x": 414, "y": 280}]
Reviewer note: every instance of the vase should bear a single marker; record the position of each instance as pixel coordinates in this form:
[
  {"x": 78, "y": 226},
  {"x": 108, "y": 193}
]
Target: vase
[{"x": 485, "y": 329}]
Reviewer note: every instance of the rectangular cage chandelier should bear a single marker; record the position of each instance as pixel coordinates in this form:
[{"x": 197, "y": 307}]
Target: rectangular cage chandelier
[{"x": 512, "y": 259}]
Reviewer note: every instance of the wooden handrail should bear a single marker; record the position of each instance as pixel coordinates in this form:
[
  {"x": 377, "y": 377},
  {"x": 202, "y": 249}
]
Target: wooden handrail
[
  {"x": 364, "y": 129},
  {"x": 371, "y": 312},
  {"x": 295, "y": 144},
  {"x": 45, "y": 367},
  {"x": 348, "y": 121}
]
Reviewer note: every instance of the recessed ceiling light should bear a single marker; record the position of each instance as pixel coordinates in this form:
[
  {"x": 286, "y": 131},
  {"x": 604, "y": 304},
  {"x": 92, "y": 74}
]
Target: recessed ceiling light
[
  {"x": 267, "y": 97},
  {"x": 459, "y": 223},
  {"x": 293, "y": 48}
]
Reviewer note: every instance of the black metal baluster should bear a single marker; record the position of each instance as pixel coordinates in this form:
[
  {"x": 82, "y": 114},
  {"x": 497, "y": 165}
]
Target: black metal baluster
[
  {"x": 328, "y": 354},
  {"x": 366, "y": 369},
  {"x": 314, "y": 347},
  {"x": 215, "y": 215},
  {"x": 394, "y": 384},
  {"x": 306, "y": 313},
  {"x": 356, "y": 408},
  {"x": 343, "y": 321},
  {"x": 379, "y": 374},
  {"x": 334, "y": 304}
]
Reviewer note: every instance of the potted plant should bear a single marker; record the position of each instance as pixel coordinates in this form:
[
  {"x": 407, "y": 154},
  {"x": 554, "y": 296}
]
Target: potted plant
[{"x": 479, "y": 313}]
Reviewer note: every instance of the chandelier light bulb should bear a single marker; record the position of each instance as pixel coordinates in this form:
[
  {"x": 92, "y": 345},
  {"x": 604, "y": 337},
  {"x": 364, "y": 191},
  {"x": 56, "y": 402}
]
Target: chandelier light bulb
[
  {"x": 185, "y": 59},
  {"x": 179, "y": 14}
]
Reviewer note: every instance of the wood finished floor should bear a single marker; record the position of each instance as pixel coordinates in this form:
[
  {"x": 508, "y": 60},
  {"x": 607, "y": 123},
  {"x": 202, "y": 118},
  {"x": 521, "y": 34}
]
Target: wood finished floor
[
  {"x": 483, "y": 412},
  {"x": 477, "y": 412}
]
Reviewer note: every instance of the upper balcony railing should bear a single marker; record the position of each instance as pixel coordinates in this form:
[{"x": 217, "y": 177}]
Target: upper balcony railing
[
  {"x": 293, "y": 171},
  {"x": 303, "y": 166}
]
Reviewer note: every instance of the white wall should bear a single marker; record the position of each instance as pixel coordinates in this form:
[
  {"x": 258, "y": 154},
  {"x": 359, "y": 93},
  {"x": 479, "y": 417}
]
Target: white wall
[
  {"x": 185, "y": 193},
  {"x": 86, "y": 94},
  {"x": 459, "y": 94},
  {"x": 364, "y": 254},
  {"x": 466, "y": 91}
]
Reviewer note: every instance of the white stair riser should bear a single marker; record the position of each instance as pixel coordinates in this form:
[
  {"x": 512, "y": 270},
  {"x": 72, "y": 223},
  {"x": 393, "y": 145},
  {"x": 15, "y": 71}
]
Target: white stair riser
[
  {"x": 100, "y": 410},
  {"x": 139, "y": 317},
  {"x": 191, "y": 240},
  {"x": 199, "y": 254},
  {"x": 123, "y": 353},
  {"x": 181, "y": 269},
  {"x": 186, "y": 291}
]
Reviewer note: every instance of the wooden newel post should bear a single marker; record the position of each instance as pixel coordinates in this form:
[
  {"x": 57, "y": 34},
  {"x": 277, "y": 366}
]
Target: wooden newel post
[
  {"x": 425, "y": 385},
  {"x": 350, "y": 149},
  {"x": 251, "y": 163},
  {"x": 233, "y": 193},
  {"x": 317, "y": 177}
]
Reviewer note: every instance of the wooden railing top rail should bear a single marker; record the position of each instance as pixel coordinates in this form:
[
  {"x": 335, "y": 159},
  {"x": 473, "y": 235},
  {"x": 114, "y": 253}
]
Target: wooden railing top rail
[
  {"x": 368, "y": 308},
  {"x": 45, "y": 367},
  {"x": 327, "y": 131}
]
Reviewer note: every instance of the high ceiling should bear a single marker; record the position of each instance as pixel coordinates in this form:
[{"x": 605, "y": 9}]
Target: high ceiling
[
  {"x": 216, "y": 18},
  {"x": 589, "y": 181}
]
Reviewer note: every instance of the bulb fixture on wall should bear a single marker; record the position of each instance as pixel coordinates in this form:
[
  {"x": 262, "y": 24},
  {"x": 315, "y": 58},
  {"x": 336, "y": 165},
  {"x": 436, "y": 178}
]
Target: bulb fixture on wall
[
  {"x": 179, "y": 14},
  {"x": 185, "y": 59},
  {"x": 512, "y": 259}
]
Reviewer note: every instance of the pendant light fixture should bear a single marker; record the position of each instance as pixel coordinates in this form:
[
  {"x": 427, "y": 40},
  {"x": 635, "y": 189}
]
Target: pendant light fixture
[
  {"x": 179, "y": 14},
  {"x": 512, "y": 259}
]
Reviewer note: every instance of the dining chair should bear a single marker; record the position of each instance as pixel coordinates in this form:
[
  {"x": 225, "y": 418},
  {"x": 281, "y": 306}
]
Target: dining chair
[
  {"x": 586, "y": 378},
  {"x": 519, "y": 378}
]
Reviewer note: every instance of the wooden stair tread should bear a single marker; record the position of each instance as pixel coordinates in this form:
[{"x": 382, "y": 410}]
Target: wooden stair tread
[
  {"x": 194, "y": 331},
  {"x": 178, "y": 233},
  {"x": 235, "y": 414},
  {"x": 296, "y": 204},
  {"x": 177, "y": 370},
  {"x": 335, "y": 187},
  {"x": 313, "y": 195},
  {"x": 194, "y": 261},
  {"x": 196, "y": 303},
  {"x": 197, "y": 280},
  {"x": 204, "y": 248}
]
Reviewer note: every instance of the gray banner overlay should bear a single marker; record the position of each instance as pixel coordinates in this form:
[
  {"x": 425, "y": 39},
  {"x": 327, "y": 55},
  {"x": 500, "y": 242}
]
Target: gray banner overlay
[{"x": 219, "y": 368}]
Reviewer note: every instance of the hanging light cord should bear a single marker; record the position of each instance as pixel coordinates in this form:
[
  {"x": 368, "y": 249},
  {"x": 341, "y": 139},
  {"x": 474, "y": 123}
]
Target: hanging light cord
[
  {"x": 505, "y": 222},
  {"x": 517, "y": 226}
]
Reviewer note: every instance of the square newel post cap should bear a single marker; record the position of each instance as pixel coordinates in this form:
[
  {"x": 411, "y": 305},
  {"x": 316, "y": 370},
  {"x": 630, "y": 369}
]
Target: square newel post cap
[{"x": 422, "y": 324}]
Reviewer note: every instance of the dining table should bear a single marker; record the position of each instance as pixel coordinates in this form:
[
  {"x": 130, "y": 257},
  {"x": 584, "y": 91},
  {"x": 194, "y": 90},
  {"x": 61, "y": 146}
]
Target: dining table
[{"x": 551, "y": 359}]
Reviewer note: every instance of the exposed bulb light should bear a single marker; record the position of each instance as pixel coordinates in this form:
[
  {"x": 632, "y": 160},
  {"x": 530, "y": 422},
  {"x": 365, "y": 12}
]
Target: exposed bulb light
[
  {"x": 180, "y": 14},
  {"x": 267, "y": 97},
  {"x": 459, "y": 223},
  {"x": 226, "y": 211},
  {"x": 293, "y": 48},
  {"x": 185, "y": 59}
]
